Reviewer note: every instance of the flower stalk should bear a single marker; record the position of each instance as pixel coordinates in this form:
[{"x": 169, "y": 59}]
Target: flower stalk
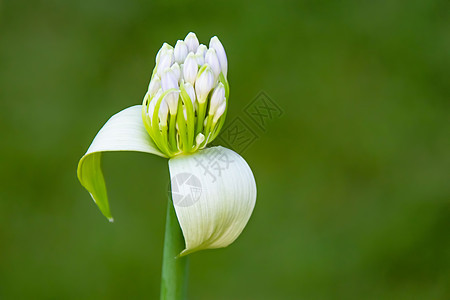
[{"x": 174, "y": 268}]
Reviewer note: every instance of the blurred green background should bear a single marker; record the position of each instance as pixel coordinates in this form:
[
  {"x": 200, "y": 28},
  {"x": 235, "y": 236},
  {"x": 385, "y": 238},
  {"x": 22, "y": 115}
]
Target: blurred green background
[{"x": 353, "y": 179}]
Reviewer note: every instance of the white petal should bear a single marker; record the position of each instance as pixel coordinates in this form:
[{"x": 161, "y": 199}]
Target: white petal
[
  {"x": 214, "y": 193},
  {"x": 124, "y": 131}
]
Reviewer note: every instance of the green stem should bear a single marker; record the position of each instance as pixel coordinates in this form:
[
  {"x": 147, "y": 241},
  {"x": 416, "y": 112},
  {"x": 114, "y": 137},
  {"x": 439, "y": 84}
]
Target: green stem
[
  {"x": 200, "y": 117},
  {"x": 172, "y": 133},
  {"x": 174, "y": 269}
]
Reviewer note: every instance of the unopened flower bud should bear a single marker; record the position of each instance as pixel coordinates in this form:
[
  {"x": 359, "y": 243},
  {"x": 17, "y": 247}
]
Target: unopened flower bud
[
  {"x": 201, "y": 50},
  {"x": 164, "y": 48},
  {"x": 191, "y": 42},
  {"x": 154, "y": 86},
  {"x": 180, "y": 51},
  {"x": 165, "y": 61},
  {"x": 190, "y": 91},
  {"x": 204, "y": 83},
  {"x": 170, "y": 81},
  {"x": 212, "y": 59},
  {"x": 152, "y": 104},
  {"x": 219, "y": 112},
  {"x": 200, "y": 54},
  {"x": 163, "y": 112},
  {"x": 220, "y": 51},
  {"x": 176, "y": 70},
  {"x": 190, "y": 69},
  {"x": 217, "y": 98},
  {"x": 199, "y": 138}
]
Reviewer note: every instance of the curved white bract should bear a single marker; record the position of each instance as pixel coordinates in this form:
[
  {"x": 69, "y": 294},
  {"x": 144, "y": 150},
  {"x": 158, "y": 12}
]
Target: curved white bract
[
  {"x": 124, "y": 131},
  {"x": 214, "y": 194}
]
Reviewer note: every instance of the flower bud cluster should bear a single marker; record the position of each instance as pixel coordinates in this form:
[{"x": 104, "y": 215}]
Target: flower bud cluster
[{"x": 186, "y": 102}]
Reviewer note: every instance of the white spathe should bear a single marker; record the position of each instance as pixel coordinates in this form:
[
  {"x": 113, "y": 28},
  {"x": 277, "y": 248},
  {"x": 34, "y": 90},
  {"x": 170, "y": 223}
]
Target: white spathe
[
  {"x": 124, "y": 131},
  {"x": 226, "y": 201}
]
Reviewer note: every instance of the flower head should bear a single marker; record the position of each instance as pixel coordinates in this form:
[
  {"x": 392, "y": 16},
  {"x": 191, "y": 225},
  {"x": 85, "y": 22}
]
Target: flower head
[{"x": 187, "y": 75}]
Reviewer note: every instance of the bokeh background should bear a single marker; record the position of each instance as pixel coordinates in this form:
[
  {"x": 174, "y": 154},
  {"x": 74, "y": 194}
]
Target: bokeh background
[{"x": 353, "y": 178}]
